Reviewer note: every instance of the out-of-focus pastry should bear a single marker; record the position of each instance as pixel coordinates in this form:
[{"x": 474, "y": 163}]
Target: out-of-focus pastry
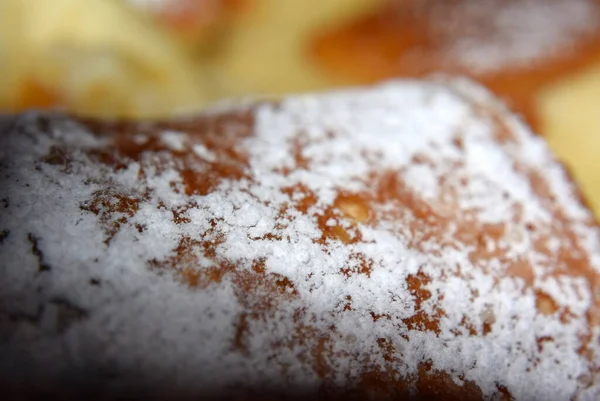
[
  {"x": 541, "y": 56},
  {"x": 411, "y": 239},
  {"x": 96, "y": 57},
  {"x": 515, "y": 48}
]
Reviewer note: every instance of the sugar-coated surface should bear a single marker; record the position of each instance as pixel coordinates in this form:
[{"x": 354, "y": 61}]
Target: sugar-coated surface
[{"x": 397, "y": 231}]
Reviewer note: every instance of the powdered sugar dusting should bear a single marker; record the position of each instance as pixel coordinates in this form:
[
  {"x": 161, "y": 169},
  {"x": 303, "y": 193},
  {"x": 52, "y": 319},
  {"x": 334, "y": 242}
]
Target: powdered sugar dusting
[
  {"x": 204, "y": 153},
  {"x": 412, "y": 226},
  {"x": 174, "y": 140}
]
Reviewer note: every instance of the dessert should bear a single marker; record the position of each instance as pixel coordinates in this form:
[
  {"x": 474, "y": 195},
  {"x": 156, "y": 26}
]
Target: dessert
[
  {"x": 515, "y": 48},
  {"x": 93, "y": 57},
  {"x": 410, "y": 239}
]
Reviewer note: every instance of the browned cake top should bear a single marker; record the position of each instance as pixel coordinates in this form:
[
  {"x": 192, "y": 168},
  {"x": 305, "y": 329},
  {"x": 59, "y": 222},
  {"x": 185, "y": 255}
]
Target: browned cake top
[{"x": 410, "y": 237}]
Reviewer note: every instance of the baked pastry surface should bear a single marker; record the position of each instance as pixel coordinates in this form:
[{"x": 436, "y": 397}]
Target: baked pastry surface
[{"x": 410, "y": 239}]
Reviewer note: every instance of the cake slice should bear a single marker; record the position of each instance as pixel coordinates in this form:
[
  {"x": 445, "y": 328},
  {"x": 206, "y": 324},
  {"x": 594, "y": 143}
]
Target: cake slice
[{"x": 412, "y": 239}]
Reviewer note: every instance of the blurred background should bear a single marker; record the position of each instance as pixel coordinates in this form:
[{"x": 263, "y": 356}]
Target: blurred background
[{"x": 159, "y": 58}]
